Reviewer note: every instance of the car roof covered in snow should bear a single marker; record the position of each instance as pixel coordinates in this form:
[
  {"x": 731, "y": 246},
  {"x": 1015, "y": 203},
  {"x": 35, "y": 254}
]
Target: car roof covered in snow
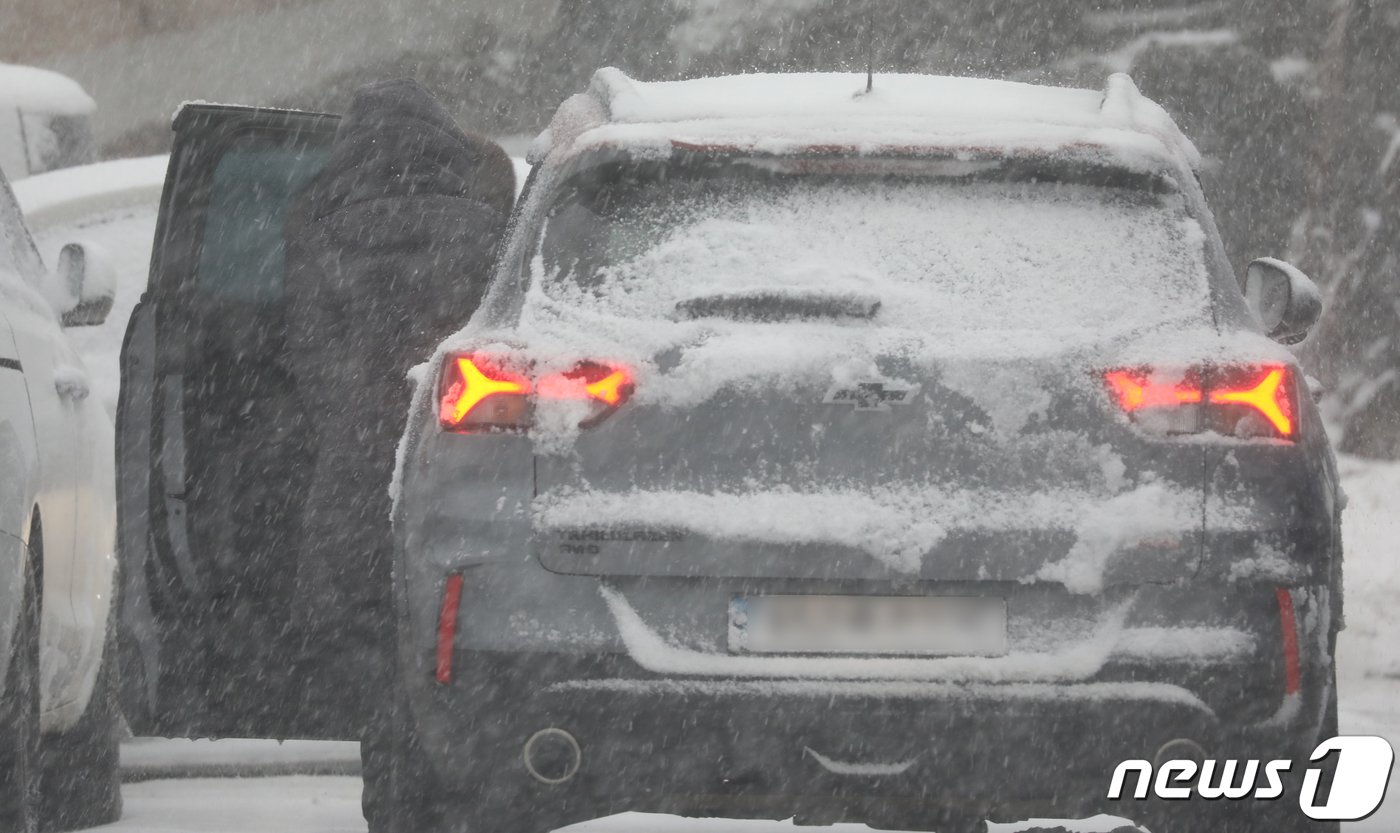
[
  {"x": 770, "y": 113},
  {"x": 37, "y": 90}
]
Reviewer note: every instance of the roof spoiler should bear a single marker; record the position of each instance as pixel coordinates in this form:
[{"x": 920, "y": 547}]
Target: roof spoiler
[
  {"x": 1124, "y": 106},
  {"x": 612, "y": 94},
  {"x": 583, "y": 110}
]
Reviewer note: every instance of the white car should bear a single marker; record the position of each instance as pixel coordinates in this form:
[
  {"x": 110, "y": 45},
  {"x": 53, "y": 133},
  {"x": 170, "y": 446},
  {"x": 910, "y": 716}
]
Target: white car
[
  {"x": 45, "y": 121},
  {"x": 58, "y": 670}
]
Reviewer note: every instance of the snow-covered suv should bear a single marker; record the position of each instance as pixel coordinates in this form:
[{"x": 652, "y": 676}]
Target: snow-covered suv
[{"x": 911, "y": 456}]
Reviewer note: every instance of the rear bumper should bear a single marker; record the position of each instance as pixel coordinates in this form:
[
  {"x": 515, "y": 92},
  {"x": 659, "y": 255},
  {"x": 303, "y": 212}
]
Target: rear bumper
[{"x": 880, "y": 752}]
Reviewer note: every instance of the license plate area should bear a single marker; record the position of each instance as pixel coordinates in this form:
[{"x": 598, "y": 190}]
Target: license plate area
[{"x": 929, "y": 626}]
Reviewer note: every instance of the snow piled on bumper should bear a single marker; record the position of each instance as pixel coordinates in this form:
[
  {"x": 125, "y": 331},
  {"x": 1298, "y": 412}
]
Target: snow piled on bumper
[
  {"x": 1076, "y": 661},
  {"x": 899, "y": 526}
]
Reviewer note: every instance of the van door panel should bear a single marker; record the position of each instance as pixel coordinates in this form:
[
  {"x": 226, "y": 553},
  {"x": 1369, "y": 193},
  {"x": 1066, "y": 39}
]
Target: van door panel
[{"x": 216, "y": 453}]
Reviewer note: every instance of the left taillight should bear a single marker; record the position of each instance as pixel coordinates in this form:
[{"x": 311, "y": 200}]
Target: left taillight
[
  {"x": 480, "y": 393},
  {"x": 1243, "y": 401}
]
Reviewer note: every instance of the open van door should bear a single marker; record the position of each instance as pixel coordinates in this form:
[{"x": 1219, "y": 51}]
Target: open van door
[{"x": 213, "y": 452}]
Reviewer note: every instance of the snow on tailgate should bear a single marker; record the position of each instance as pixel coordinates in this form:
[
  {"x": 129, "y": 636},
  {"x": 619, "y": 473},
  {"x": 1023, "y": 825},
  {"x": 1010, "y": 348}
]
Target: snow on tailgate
[
  {"x": 897, "y": 525},
  {"x": 958, "y": 257},
  {"x": 960, "y": 271}
]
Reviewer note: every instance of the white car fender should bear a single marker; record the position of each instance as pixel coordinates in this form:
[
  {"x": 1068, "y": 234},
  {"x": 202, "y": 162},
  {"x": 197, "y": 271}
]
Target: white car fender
[
  {"x": 72, "y": 487},
  {"x": 18, "y": 463}
]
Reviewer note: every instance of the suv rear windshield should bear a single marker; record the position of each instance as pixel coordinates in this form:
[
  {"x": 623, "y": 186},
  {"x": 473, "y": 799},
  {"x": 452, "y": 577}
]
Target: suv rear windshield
[{"x": 939, "y": 244}]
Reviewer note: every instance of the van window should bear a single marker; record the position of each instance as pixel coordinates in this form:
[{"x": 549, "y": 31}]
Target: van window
[{"x": 252, "y": 189}]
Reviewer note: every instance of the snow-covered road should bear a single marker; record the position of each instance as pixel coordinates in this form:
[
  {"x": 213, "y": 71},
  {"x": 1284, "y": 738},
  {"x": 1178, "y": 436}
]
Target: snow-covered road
[
  {"x": 331, "y": 803},
  {"x": 305, "y": 804},
  {"x": 289, "y": 804}
]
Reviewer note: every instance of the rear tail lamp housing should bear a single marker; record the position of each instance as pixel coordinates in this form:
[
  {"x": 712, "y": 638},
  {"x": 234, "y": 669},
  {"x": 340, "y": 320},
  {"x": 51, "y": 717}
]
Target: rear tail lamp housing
[
  {"x": 1240, "y": 401},
  {"x": 482, "y": 393}
]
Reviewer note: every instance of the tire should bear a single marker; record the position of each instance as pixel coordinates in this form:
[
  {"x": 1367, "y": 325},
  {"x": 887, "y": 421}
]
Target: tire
[
  {"x": 399, "y": 794},
  {"x": 1331, "y": 725},
  {"x": 1330, "y": 728},
  {"x": 80, "y": 782},
  {"x": 19, "y": 720}
]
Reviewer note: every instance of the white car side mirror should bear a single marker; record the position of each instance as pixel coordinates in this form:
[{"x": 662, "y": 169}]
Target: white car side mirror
[
  {"x": 1287, "y": 302},
  {"x": 87, "y": 276}
]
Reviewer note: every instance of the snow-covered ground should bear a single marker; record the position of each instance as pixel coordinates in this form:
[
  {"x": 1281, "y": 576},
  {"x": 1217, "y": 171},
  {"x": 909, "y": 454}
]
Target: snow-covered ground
[
  {"x": 291, "y": 804},
  {"x": 114, "y": 204},
  {"x": 1368, "y": 653},
  {"x": 145, "y": 759},
  {"x": 302, "y": 804}
]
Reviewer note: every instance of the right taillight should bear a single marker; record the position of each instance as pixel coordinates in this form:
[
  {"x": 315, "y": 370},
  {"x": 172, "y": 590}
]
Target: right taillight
[
  {"x": 1243, "y": 401},
  {"x": 1253, "y": 402},
  {"x": 481, "y": 393}
]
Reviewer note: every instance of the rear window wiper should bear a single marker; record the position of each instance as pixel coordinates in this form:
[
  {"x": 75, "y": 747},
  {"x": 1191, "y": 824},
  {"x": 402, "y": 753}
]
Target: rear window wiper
[{"x": 779, "y": 305}]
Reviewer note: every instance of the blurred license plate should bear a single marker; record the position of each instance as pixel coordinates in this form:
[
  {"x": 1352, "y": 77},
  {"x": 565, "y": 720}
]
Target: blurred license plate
[{"x": 910, "y": 625}]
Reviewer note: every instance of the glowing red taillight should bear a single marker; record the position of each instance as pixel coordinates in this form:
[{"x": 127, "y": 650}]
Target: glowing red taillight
[
  {"x": 483, "y": 393},
  {"x": 1237, "y": 401},
  {"x": 1136, "y": 390},
  {"x": 610, "y": 389},
  {"x": 599, "y": 383},
  {"x": 1267, "y": 395}
]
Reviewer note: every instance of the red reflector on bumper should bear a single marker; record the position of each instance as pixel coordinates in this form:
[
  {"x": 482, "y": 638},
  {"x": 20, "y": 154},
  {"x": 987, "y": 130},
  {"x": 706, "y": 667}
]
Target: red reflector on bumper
[{"x": 447, "y": 627}]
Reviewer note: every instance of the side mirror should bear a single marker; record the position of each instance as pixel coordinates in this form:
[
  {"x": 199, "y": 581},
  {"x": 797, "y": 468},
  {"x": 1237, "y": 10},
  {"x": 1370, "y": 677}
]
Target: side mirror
[
  {"x": 89, "y": 280},
  {"x": 1287, "y": 302}
]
